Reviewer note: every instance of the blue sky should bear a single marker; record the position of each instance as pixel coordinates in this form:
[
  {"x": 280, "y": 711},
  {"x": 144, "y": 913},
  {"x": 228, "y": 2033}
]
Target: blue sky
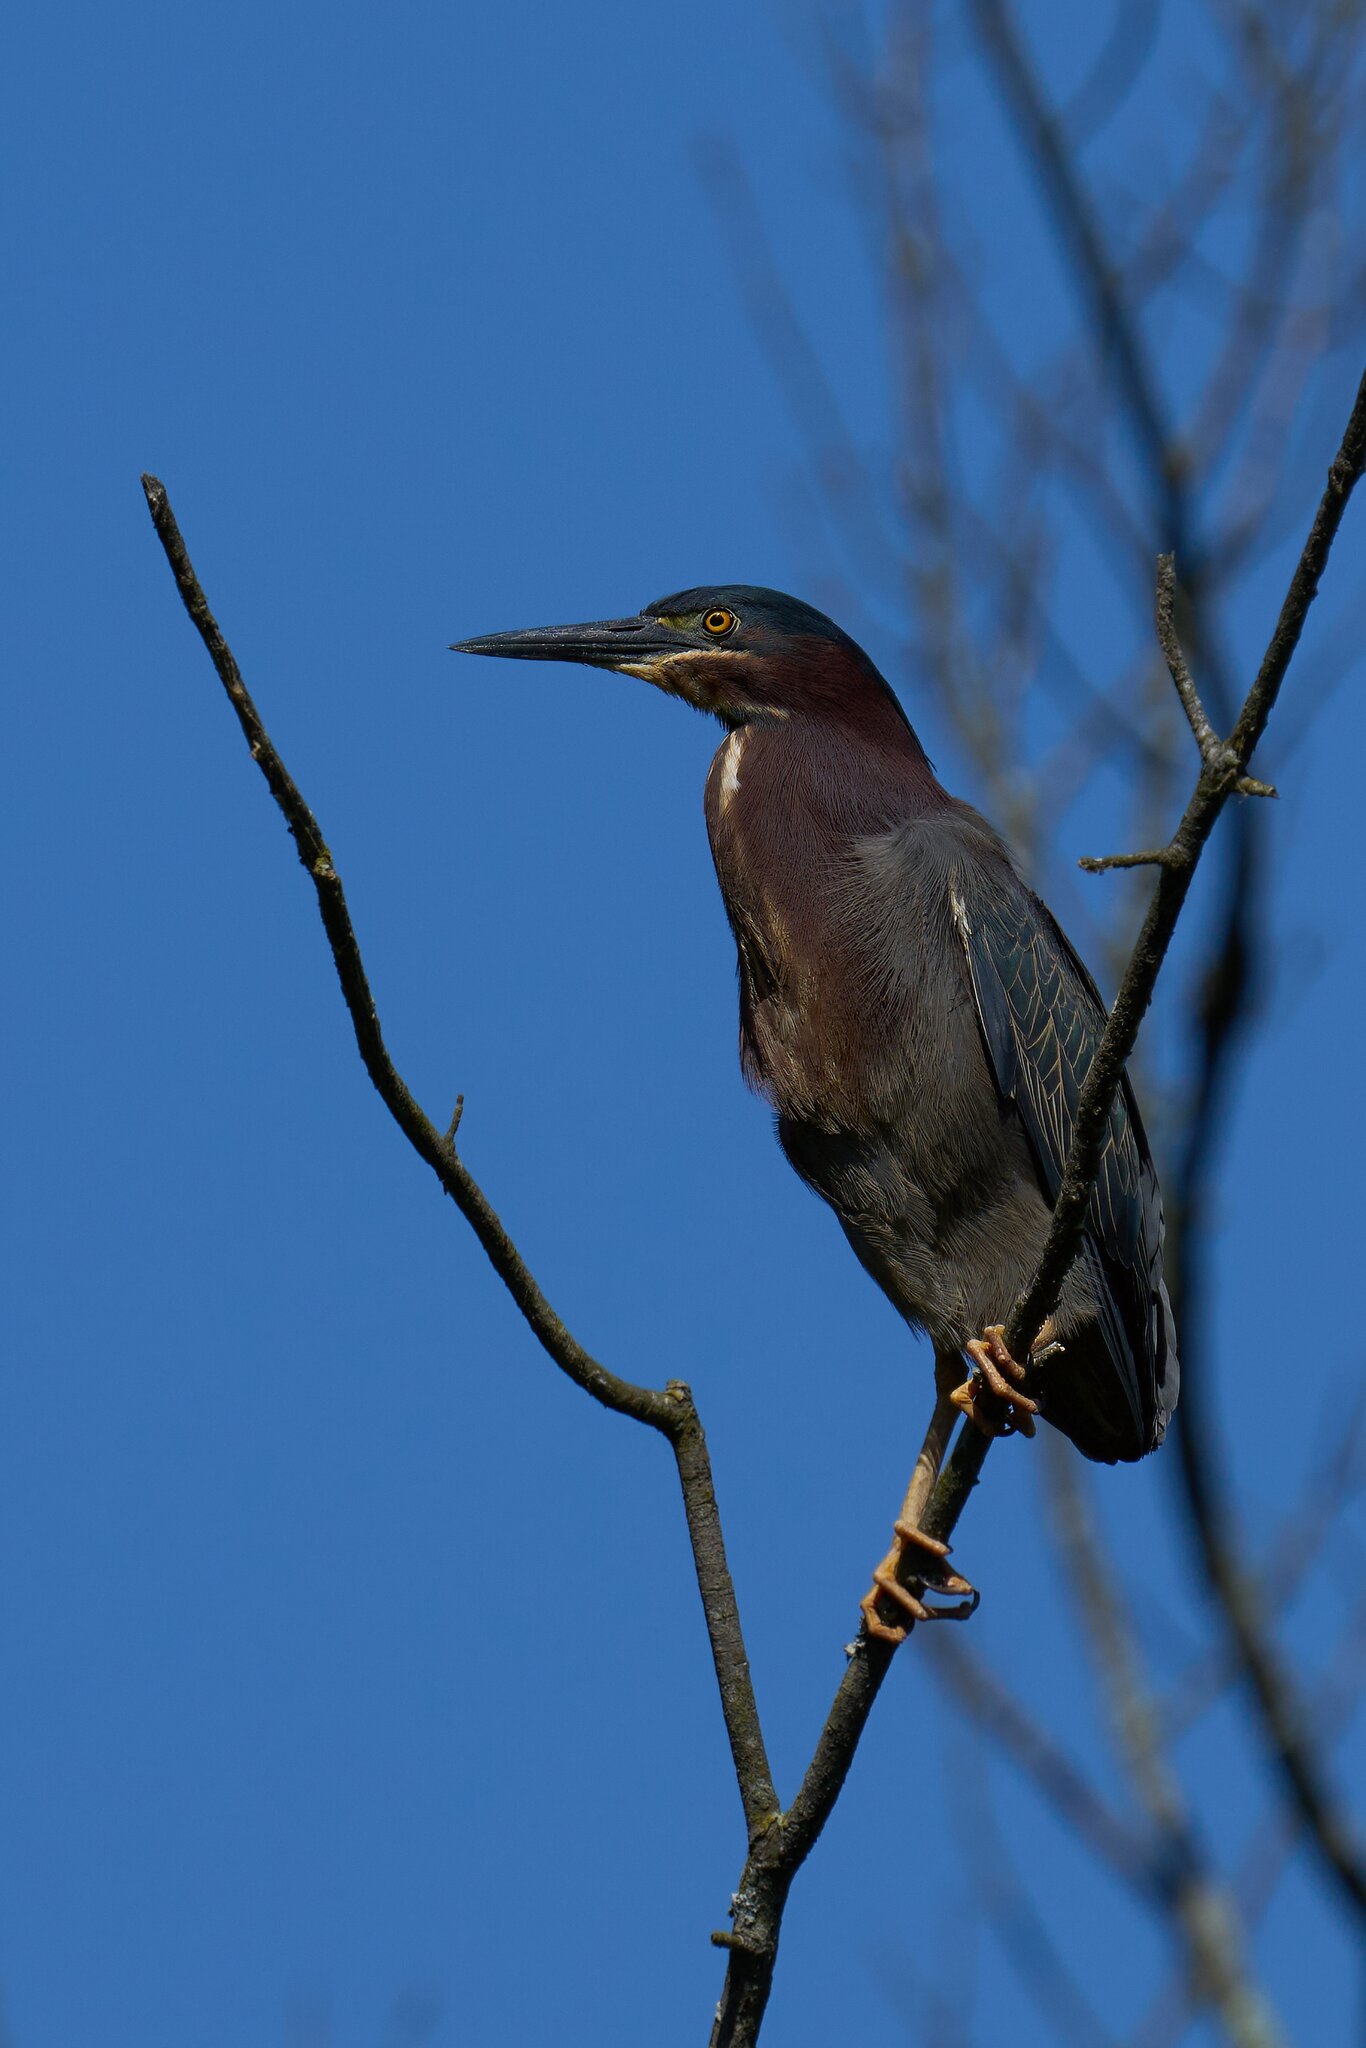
[{"x": 351, "y": 1657}]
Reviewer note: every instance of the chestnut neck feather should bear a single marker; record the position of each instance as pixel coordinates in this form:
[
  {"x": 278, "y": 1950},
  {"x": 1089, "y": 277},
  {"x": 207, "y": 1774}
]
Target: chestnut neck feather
[
  {"x": 835, "y": 758},
  {"x": 788, "y": 800}
]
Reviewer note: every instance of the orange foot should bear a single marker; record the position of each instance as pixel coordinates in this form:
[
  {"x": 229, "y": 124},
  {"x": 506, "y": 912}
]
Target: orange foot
[
  {"x": 988, "y": 1397},
  {"x": 930, "y": 1574}
]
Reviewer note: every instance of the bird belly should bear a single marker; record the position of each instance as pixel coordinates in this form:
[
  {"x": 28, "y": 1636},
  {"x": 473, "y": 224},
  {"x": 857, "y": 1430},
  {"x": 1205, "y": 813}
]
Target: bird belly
[
  {"x": 949, "y": 1253},
  {"x": 953, "y": 1261}
]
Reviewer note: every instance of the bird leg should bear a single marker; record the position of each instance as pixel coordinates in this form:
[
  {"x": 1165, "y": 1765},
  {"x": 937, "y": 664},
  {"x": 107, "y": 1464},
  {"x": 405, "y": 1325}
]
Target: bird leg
[
  {"x": 990, "y": 1397},
  {"x": 914, "y": 1555}
]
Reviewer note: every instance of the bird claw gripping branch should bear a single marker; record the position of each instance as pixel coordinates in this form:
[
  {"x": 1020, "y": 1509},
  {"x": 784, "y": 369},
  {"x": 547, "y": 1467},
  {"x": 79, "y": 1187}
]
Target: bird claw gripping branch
[
  {"x": 992, "y": 1396},
  {"x": 931, "y": 1575}
]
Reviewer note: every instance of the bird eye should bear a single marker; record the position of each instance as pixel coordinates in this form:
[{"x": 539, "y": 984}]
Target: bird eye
[{"x": 719, "y": 623}]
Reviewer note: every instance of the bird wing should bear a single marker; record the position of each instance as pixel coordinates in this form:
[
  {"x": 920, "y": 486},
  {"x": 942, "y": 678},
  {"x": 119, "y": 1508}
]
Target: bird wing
[{"x": 1042, "y": 1018}]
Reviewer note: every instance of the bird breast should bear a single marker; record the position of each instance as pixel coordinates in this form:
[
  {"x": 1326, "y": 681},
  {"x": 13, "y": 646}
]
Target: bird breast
[{"x": 782, "y": 871}]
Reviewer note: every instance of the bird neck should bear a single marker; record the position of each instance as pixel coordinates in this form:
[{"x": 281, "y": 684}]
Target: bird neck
[
  {"x": 786, "y": 799},
  {"x": 863, "y": 770}
]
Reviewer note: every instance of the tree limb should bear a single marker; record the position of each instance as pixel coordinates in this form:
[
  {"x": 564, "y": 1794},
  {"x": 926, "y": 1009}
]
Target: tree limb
[{"x": 669, "y": 1409}]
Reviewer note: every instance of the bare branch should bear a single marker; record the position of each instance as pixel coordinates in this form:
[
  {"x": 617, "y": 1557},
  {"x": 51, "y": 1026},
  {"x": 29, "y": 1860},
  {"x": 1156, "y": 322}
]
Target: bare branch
[
  {"x": 1343, "y": 476},
  {"x": 670, "y": 1409},
  {"x": 1206, "y": 738},
  {"x": 1098, "y": 864}
]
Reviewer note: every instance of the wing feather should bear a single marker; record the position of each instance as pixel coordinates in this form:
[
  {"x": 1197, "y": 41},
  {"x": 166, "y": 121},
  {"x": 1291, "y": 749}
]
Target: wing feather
[{"x": 1042, "y": 1017}]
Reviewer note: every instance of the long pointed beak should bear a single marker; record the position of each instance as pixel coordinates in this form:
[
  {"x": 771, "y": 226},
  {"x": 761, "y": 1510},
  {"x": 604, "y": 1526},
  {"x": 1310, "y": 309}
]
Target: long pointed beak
[{"x": 603, "y": 643}]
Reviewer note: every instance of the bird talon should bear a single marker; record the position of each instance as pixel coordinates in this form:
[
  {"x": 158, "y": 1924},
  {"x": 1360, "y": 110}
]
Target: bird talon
[
  {"x": 931, "y": 1575},
  {"x": 885, "y": 1581},
  {"x": 991, "y": 1396},
  {"x": 994, "y": 1413},
  {"x": 885, "y": 1631},
  {"x": 908, "y": 1533},
  {"x": 993, "y": 1338}
]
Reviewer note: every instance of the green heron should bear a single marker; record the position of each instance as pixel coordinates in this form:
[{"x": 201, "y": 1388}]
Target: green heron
[{"x": 920, "y": 1024}]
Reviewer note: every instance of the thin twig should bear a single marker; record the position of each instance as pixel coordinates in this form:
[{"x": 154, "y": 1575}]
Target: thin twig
[
  {"x": 1206, "y": 738},
  {"x": 1099, "y": 864}
]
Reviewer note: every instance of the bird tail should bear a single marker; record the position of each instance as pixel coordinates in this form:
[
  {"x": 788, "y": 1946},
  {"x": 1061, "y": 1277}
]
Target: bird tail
[{"x": 1084, "y": 1396}]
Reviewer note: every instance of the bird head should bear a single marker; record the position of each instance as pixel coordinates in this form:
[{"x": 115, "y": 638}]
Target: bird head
[{"x": 740, "y": 652}]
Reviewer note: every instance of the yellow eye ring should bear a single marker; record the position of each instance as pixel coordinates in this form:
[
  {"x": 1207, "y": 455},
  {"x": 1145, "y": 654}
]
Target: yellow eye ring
[{"x": 719, "y": 622}]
